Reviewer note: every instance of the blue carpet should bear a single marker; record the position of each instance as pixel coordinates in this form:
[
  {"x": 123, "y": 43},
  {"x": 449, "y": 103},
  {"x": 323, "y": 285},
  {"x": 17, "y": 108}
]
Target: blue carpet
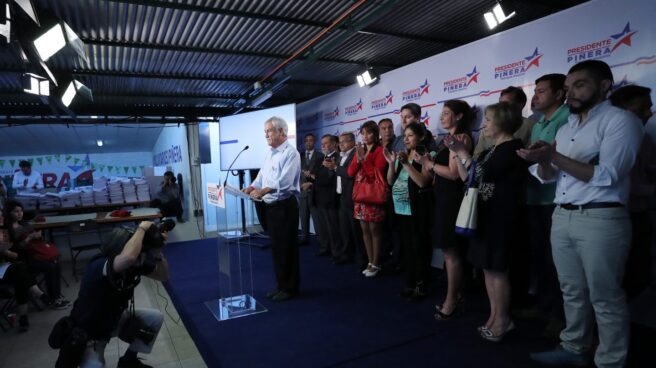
[{"x": 341, "y": 319}]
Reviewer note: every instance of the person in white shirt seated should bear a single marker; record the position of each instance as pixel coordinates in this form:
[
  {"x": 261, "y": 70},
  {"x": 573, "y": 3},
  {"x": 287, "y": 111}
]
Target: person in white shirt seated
[{"x": 27, "y": 180}]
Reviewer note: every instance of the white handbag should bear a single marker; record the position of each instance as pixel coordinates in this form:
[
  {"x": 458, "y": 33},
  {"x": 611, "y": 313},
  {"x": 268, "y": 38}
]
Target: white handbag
[{"x": 466, "y": 220}]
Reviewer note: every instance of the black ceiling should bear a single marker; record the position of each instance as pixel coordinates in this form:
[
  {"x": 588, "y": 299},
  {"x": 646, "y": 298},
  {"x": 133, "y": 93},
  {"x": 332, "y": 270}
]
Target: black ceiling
[{"x": 198, "y": 57}]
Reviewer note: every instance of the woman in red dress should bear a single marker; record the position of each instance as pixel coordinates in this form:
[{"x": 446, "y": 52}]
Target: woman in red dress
[{"x": 369, "y": 157}]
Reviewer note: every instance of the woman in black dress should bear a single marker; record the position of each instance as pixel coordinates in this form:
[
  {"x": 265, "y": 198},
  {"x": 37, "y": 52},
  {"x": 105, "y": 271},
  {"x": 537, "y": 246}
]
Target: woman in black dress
[
  {"x": 498, "y": 174},
  {"x": 456, "y": 118}
]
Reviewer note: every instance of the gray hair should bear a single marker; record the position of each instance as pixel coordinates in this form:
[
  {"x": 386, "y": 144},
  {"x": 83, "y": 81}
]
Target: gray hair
[{"x": 278, "y": 123}]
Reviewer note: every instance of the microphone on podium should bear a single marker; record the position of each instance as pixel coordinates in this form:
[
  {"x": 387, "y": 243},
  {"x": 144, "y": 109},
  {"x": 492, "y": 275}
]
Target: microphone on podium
[{"x": 233, "y": 162}]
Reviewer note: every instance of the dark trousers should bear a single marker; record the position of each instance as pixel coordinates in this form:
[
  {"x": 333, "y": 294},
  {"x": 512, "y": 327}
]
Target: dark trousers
[
  {"x": 20, "y": 278},
  {"x": 416, "y": 249},
  {"x": 306, "y": 210},
  {"x": 549, "y": 296},
  {"x": 638, "y": 266},
  {"x": 391, "y": 244},
  {"x": 351, "y": 232},
  {"x": 52, "y": 274},
  {"x": 327, "y": 226},
  {"x": 282, "y": 219},
  {"x": 520, "y": 261}
]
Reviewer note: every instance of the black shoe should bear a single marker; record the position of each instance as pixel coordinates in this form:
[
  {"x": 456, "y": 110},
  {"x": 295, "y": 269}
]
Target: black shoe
[
  {"x": 124, "y": 362},
  {"x": 282, "y": 296},
  {"x": 272, "y": 293},
  {"x": 23, "y": 323}
]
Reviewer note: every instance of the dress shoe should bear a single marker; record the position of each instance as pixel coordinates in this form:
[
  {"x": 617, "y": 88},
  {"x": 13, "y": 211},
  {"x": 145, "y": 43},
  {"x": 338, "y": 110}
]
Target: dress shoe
[
  {"x": 372, "y": 271},
  {"x": 282, "y": 296},
  {"x": 272, "y": 293},
  {"x": 561, "y": 357}
]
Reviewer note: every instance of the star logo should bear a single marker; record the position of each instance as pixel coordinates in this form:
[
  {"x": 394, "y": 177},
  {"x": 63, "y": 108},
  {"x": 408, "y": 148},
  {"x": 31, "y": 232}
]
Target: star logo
[
  {"x": 623, "y": 38},
  {"x": 533, "y": 59},
  {"x": 426, "y": 119},
  {"x": 336, "y": 111},
  {"x": 358, "y": 105},
  {"x": 424, "y": 88},
  {"x": 473, "y": 76},
  {"x": 388, "y": 98}
]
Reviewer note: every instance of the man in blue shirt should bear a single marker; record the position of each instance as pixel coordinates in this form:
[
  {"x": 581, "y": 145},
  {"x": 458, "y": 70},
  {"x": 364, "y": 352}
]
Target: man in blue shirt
[{"x": 277, "y": 184}]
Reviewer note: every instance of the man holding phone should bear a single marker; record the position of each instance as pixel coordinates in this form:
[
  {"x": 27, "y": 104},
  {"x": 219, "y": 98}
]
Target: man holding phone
[{"x": 326, "y": 201}]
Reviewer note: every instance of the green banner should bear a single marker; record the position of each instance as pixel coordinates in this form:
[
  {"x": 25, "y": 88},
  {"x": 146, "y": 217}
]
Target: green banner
[
  {"x": 125, "y": 169},
  {"x": 12, "y": 162},
  {"x": 134, "y": 169},
  {"x": 93, "y": 166},
  {"x": 30, "y": 160},
  {"x": 76, "y": 161},
  {"x": 68, "y": 158},
  {"x": 102, "y": 167},
  {"x": 40, "y": 160},
  {"x": 2, "y": 163},
  {"x": 58, "y": 157},
  {"x": 49, "y": 159},
  {"x": 109, "y": 168}
]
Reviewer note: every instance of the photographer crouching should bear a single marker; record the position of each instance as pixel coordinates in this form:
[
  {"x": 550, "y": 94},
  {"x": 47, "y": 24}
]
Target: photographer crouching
[{"x": 105, "y": 305}]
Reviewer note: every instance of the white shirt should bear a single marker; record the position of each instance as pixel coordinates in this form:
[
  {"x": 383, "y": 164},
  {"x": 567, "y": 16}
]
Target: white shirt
[
  {"x": 281, "y": 170},
  {"x": 343, "y": 156},
  {"x": 609, "y": 140},
  {"x": 22, "y": 182},
  {"x": 308, "y": 155}
]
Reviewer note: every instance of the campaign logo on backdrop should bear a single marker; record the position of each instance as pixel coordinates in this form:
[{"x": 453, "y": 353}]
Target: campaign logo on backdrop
[
  {"x": 461, "y": 83},
  {"x": 519, "y": 67},
  {"x": 416, "y": 93},
  {"x": 353, "y": 109},
  {"x": 331, "y": 115},
  {"x": 381, "y": 103},
  {"x": 602, "y": 48},
  {"x": 426, "y": 119}
]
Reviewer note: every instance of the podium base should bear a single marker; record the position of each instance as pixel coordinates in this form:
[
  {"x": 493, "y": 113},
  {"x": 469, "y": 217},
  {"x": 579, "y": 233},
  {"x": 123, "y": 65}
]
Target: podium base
[
  {"x": 234, "y": 234},
  {"x": 234, "y": 307}
]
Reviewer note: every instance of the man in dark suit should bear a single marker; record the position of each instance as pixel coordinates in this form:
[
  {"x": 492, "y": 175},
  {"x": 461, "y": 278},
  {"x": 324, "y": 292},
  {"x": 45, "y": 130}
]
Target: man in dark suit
[
  {"x": 325, "y": 199},
  {"x": 349, "y": 227},
  {"x": 310, "y": 162}
]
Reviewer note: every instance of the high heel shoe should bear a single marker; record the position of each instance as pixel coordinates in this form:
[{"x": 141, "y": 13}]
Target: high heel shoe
[
  {"x": 490, "y": 336},
  {"x": 457, "y": 310}
]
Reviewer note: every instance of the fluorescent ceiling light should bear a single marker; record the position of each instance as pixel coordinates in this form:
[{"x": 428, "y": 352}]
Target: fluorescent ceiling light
[
  {"x": 99, "y": 142},
  {"x": 50, "y": 42},
  {"x": 69, "y": 94},
  {"x": 257, "y": 101},
  {"x": 5, "y": 28},
  {"x": 367, "y": 77},
  {"x": 500, "y": 15},
  {"x": 361, "y": 82},
  {"x": 491, "y": 21}
]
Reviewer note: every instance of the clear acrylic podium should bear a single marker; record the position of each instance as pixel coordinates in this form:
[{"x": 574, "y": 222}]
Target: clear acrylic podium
[{"x": 235, "y": 264}]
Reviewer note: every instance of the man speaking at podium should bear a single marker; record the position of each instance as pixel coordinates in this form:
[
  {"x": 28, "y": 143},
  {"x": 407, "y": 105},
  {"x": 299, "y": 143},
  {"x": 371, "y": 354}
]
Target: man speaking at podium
[{"x": 277, "y": 184}]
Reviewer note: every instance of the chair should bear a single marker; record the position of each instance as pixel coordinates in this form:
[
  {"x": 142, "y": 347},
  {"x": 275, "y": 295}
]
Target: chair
[{"x": 79, "y": 230}]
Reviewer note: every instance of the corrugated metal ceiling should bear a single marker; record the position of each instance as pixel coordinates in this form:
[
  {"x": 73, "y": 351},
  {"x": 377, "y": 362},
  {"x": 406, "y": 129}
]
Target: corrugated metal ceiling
[{"x": 197, "y": 57}]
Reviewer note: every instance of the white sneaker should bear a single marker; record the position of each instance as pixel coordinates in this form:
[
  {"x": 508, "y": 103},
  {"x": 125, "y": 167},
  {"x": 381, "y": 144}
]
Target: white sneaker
[{"x": 364, "y": 272}]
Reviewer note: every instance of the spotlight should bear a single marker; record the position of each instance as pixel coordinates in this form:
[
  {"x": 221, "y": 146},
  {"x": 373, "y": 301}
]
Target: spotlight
[
  {"x": 75, "y": 88},
  {"x": 35, "y": 84},
  {"x": 5, "y": 28},
  {"x": 57, "y": 36},
  {"x": 366, "y": 78},
  {"x": 501, "y": 12},
  {"x": 29, "y": 9},
  {"x": 99, "y": 142}
]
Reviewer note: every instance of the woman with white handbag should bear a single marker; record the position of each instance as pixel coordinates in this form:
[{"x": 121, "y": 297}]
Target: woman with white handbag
[{"x": 498, "y": 176}]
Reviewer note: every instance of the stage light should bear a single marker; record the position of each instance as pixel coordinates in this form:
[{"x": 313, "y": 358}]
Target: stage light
[
  {"x": 257, "y": 101},
  {"x": 75, "y": 88},
  {"x": 29, "y": 9},
  {"x": 366, "y": 78},
  {"x": 99, "y": 142},
  {"x": 57, "y": 36},
  {"x": 35, "y": 84},
  {"x": 501, "y": 12},
  {"x": 5, "y": 28}
]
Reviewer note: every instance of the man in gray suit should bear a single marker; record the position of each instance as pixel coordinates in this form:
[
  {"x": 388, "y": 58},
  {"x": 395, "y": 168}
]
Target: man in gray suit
[{"x": 310, "y": 163}]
